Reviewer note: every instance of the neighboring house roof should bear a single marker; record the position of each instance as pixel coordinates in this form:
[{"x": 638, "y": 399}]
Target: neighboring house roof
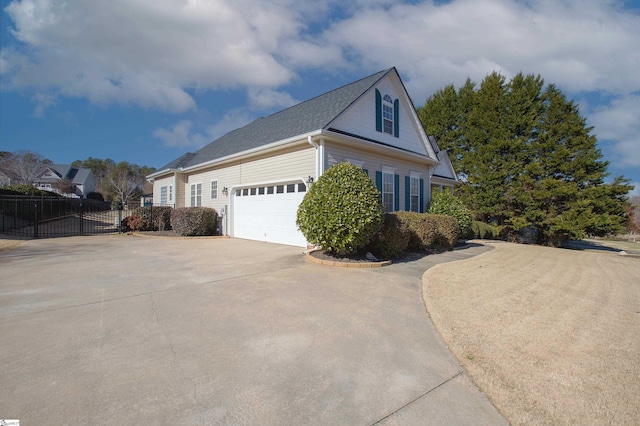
[
  {"x": 305, "y": 117},
  {"x": 64, "y": 171},
  {"x": 81, "y": 176}
]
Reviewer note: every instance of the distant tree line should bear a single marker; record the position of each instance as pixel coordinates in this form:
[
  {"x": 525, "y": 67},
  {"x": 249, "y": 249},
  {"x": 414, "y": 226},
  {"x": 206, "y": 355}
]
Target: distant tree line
[
  {"x": 115, "y": 182},
  {"x": 527, "y": 159}
]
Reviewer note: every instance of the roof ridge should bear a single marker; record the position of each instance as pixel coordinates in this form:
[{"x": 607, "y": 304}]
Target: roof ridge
[{"x": 326, "y": 93}]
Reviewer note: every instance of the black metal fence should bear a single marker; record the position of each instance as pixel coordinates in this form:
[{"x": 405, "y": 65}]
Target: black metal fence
[{"x": 45, "y": 217}]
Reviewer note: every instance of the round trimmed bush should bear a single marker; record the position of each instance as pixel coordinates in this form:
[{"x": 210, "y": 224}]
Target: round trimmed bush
[
  {"x": 341, "y": 211},
  {"x": 194, "y": 221},
  {"x": 95, "y": 196},
  {"x": 157, "y": 218}
]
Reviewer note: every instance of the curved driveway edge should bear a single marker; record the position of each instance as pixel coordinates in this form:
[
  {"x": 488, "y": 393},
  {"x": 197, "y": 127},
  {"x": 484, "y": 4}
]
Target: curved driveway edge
[{"x": 128, "y": 330}]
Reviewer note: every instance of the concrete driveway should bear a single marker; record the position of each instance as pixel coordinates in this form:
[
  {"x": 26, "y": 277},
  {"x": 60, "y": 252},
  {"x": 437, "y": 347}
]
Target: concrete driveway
[{"x": 133, "y": 330}]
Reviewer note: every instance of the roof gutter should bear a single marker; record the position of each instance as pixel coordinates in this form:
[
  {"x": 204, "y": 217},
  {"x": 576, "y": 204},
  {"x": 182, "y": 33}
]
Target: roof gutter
[{"x": 260, "y": 149}]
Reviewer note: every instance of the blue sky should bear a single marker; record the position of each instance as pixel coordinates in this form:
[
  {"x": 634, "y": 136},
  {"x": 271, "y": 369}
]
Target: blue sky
[{"x": 147, "y": 80}]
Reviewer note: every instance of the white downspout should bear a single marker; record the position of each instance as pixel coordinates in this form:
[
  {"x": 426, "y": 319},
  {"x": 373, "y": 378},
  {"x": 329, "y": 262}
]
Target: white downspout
[
  {"x": 321, "y": 161},
  {"x": 318, "y": 157}
]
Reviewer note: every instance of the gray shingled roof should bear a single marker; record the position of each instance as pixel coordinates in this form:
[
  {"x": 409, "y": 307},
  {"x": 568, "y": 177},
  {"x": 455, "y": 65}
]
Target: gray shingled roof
[
  {"x": 305, "y": 117},
  {"x": 65, "y": 171}
]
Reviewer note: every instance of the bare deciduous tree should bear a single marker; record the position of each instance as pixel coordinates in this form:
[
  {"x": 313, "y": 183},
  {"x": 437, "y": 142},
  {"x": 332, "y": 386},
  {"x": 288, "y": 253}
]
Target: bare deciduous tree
[
  {"x": 125, "y": 180},
  {"x": 23, "y": 166},
  {"x": 64, "y": 186}
]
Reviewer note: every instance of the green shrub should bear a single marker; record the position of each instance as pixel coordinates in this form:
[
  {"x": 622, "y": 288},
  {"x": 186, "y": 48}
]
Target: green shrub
[
  {"x": 157, "y": 218},
  {"x": 393, "y": 239},
  {"x": 412, "y": 221},
  {"x": 445, "y": 228},
  {"x": 430, "y": 231},
  {"x": 95, "y": 196},
  {"x": 194, "y": 221},
  {"x": 116, "y": 204},
  {"x": 444, "y": 202},
  {"x": 24, "y": 189},
  {"x": 485, "y": 231},
  {"x": 341, "y": 211}
]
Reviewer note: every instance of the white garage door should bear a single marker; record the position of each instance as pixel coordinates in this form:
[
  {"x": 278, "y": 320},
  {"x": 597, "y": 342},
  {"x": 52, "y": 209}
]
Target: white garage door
[{"x": 268, "y": 213}]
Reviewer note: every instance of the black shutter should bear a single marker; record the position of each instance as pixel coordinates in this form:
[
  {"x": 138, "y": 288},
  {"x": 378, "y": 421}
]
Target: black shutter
[
  {"x": 407, "y": 193},
  {"x": 378, "y": 111},
  {"x": 396, "y": 118},
  {"x": 421, "y": 195},
  {"x": 396, "y": 192}
]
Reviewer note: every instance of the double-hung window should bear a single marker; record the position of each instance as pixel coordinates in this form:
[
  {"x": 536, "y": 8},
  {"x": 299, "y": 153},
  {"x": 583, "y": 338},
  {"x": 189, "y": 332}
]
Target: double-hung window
[
  {"x": 163, "y": 196},
  {"x": 415, "y": 194},
  {"x": 214, "y": 189},
  {"x": 387, "y": 115},
  {"x": 196, "y": 195},
  {"x": 387, "y": 192}
]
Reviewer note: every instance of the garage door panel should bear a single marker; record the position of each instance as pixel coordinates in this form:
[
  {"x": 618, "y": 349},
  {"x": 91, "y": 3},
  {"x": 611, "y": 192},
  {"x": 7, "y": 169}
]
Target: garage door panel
[{"x": 268, "y": 217}]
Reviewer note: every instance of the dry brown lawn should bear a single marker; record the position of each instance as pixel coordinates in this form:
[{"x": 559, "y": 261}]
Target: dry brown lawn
[
  {"x": 7, "y": 242},
  {"x": 552, "y": 336}
]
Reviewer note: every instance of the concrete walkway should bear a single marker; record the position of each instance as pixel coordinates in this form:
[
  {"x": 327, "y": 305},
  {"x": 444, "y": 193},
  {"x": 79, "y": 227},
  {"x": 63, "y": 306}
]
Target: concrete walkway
[{"x": 132, "y": 330}]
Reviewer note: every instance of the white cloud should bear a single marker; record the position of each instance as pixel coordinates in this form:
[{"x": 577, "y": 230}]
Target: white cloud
[
  {"x": 152, "y": 53},
  {"x": 182, "y": 135},
  {"x": 146, "y": 52},
  {"x": 42, "y": 101},
  {"x": 190, "y": 135},
  {"x": 579, "y": 45},
  {"x": 619, "y": 122},
  {"x": 232, "y": 120},
  {"x": 262, "y": 98}
]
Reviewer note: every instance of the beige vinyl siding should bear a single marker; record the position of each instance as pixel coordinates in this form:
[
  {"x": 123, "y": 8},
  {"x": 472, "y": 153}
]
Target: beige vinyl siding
[
  {"x": 293, "y": 163},
  {"x": 180, "y": 190},
  {"x": 285, "y": 165},
  {"x": 373, "y": 162},
  {"x": 159, "y": 183}
]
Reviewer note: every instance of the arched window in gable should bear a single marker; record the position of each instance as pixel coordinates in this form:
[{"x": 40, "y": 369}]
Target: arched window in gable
[{"x": 387, "y": 114}]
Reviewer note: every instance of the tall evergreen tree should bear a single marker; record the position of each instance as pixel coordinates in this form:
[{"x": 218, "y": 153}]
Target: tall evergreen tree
[{"x": 526, "y": 157}]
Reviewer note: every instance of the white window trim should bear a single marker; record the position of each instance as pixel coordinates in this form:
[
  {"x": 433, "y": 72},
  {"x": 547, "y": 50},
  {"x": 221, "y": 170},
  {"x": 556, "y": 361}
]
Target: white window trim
[
  {"x": 385, "y": 118},
  {"x": 194, "y": 202},
  {"x": 170, "y": 193},
  {"x": 166, "y": 191},
  {"x": 214, "y": 196},
  {"x": 388, "y": 172},
  {"x": 414, "y": 177}
]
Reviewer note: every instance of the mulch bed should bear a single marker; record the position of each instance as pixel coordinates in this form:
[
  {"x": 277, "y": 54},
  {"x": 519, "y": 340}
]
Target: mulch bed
[
  {"x": 355, "y": 258},
  {"x": 360, "y": 258}
]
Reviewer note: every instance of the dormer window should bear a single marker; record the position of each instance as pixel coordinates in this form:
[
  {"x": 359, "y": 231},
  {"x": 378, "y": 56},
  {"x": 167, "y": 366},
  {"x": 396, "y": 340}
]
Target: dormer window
[{"x": 387, "y": 114}]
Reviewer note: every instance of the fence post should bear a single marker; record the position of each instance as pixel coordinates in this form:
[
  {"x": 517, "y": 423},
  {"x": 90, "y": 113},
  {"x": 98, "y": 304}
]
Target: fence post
[
  {"x": 35, "y": 221},
  {"x": 81, "y": 218}
]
